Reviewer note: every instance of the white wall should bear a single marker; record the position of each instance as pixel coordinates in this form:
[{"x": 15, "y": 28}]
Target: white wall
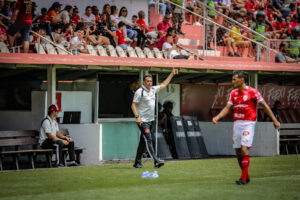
[
  {"x": 133, "y": 6},
  {"x": 171, "y": 93},
  {"x": 90, "y": 137},
  {"x": 77, "y": 101},
  {"x": 218, "y": 139}
]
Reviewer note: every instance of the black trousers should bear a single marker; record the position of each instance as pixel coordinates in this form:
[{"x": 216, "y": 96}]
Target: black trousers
[
  {"x": 145, "y": 141},
  {"x": 58, "y": 145}
]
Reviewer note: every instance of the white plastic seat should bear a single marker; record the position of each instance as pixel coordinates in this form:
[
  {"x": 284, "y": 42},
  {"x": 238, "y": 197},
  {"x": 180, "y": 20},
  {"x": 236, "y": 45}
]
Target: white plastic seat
[
  {"x": 121, "y": 52},
  {"x": 166, "y": 54},
  {"x": 3, "y": 48},
  {"x": 184, "y": 52},
  {"x": 139, "y": 52},
  {"x": 92, "y": 51},
  {"x": 157, "y": 53},
  {"x": 50, "y": 49},
  {"x": 131, "y": 52},
  {"x": 112, "y": 51},
  {"x": 101, "y": 50},
  {"x": 60, "y": 51},
  {"x": 148, "y": 53},
  {"x": 39, "y": 48}
]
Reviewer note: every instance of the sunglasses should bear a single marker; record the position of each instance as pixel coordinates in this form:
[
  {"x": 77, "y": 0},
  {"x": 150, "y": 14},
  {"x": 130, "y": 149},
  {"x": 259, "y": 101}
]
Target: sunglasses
[{"x": 124, "y": 10}]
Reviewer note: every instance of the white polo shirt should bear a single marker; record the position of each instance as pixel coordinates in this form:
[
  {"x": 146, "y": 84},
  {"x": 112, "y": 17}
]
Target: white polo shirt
[
  {"x": 145, "y": 101},
  {"x": 48, "y": 126}
]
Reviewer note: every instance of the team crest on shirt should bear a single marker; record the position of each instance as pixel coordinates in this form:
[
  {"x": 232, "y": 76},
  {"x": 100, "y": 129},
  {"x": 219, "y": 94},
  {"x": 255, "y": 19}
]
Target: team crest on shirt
[
  {"x": 245, "y": 97},
  {"x": 245, "y": 133},
  {"x": 147, "y": 131}
]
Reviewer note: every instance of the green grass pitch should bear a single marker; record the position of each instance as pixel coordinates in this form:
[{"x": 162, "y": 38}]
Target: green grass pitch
[{"x": 271, "y": 178}]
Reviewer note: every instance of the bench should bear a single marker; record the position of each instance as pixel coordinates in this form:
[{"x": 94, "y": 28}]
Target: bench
[
  {"x": 289, "y": 137},
  {"x": 25, "y": 142}
]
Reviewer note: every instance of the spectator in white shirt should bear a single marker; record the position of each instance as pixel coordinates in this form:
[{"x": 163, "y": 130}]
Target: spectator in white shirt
[
  {"x": 173, "y": 53},
  {"x": 88, "y": 18},
  {"x": 78, "y": 45},
  {"x": 114, "y": 16},
  {"x": 131, "y": 34},
  {"x": 64, "y": 16}
]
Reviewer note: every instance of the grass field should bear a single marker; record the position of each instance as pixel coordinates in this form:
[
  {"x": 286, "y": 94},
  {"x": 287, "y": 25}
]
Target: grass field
[{"x": 271, "y": 178}]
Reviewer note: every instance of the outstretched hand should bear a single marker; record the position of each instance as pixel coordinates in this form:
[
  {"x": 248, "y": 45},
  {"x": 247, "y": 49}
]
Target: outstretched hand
[{"x": 175, "y": 71}]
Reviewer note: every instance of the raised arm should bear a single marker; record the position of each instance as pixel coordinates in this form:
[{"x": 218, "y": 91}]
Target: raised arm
[{"x": 168, "y": 79}]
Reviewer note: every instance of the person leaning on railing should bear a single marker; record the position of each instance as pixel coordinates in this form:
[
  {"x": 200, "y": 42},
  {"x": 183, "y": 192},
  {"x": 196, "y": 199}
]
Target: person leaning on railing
[{"x": 281, "y": 55}]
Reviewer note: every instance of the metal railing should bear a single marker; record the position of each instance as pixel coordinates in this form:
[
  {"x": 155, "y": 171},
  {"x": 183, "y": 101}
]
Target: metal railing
[{"x": 208, "y": 20}]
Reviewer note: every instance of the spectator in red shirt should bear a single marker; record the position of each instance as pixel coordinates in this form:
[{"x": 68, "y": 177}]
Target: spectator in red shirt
[
  {"x": 250, "y": 5},
  {"x": 280, "y": 29},
  {"x": 164, "y": 25},
  {"x": 44, "y": 21},
  {"x": 294, "y": 21},
  {"x": 95, "y": 11},
  {"x": 75, "y": 17},
  {"x": 21, "y": 23},
  {"x": 270, "y": 13},
  {"x": 162, "y": 40},
  {"x": 147, "y": 30},
  {"x": 120, "y": 35},
  {"x": 53, "y": 12}
]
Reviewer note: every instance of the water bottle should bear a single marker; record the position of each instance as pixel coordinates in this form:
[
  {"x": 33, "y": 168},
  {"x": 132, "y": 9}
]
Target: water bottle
[
  {"x": 145, "y": 174},
  {"x": 155, "y": 174}
]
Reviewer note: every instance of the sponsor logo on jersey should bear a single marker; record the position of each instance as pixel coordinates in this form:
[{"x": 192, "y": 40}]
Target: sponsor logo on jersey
[
  {"x": 245, "y": 97},
  {"x": 245, "y": 133}
]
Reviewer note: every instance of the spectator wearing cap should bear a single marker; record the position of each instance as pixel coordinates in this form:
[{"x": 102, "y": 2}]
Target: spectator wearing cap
[
  {"x": 51, "y": 138},
  {"x": 53, "y": 12},
  {"x": 21, "y": 23}
]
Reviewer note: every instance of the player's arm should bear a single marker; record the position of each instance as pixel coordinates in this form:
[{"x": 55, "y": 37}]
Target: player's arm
[
  {"x": 222, "y": 114},
  {"x": 168, "y": 79},
  {"x": 269, "y": 112},
  {"x": 136, "y": 114}
]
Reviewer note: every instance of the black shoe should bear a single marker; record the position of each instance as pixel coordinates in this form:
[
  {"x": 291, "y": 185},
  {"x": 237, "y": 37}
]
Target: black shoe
[
  {"x": 248, "y": 180},
  {"x": 241, "y": 182},
  {"x": 236, "y": 55},
  {"x": 59, "y": 165},
  {"x": 180, "y": 32},
  {"x": 73, "y": 164},
  {"x": 230, "y": 54},
  {"x": 159, "y": 164},
  {"x": 208, "y": 48},
  {"x": 138, "y": 165}
]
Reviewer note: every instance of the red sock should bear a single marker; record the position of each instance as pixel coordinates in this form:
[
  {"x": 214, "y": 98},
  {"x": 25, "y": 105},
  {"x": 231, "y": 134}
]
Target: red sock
[
  {"x": 245, "y": 166},
  {"x": 240, "y": 161}
]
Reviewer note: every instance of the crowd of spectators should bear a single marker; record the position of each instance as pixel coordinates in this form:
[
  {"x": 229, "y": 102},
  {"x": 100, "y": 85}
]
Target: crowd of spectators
[{"x": 275, "y": 19}]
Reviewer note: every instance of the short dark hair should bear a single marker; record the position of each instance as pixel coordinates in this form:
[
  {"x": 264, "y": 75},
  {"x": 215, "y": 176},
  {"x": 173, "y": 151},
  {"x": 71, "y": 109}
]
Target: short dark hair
[
  {"x": 134, "y": 16},
  {"x": 282, "y": 44},
  {"x": 120, "y": 24},
  {"x": 170, "y": 30},
  {"x": 240, "y": 74},
  {"x": 168, "y": 104},
  {"x": 147, "y": 76},
  {"x": 168, "y": 35}
]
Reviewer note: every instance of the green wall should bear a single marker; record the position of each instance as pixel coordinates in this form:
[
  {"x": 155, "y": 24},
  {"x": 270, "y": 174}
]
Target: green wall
[{"x": 119, "y": 140}]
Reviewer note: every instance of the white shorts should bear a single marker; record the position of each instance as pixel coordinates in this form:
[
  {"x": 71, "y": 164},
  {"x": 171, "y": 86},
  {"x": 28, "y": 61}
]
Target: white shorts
[{"x": 243, "y": 133}]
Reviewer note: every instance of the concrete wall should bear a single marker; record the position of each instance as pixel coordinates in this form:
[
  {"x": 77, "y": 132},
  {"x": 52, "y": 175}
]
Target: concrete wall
[
  {"x": 218, "y": 139},
  {"x": 90, "y": 137},
  {"x": 25, "y": 120},
  {"x": 171, "y": 93}
]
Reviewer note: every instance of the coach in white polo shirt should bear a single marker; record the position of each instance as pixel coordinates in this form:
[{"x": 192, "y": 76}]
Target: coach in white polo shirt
[
  {"x": 52, "y": 138},
  {"x": 143, "y": 108}
]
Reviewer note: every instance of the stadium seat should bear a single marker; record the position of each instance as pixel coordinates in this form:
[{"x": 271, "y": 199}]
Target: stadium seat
[
  {"x": 39, "y": 48},
  {"x": 121, "y": 52},
  {"x": 3, "y": 48},
  {"x": 184, "y": 52},
  {"x": 60, "y": 51},
  {"x": 92, "y": 51},
  {"x": 50, "y": 49},
  {"x": 131, "y": 52},
  {"x": 166, "y": 54},
  {"x": 148, "y": 53},
  {"x": 139, "y": 52},
  {"x": 101, "y": 50},
  {"x": 157, "y": 53},
  {"x": 112, "y": 51}
]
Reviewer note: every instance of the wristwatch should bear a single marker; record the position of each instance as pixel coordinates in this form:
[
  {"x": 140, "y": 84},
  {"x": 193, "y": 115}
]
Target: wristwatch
[{"x": 137, "y": 116}]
